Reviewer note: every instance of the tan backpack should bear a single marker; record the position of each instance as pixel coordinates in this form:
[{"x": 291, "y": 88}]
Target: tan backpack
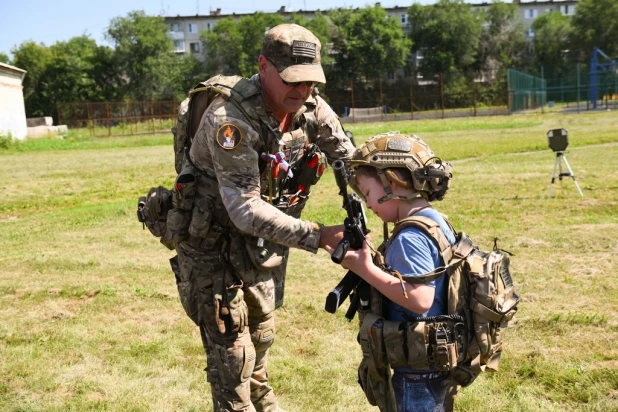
[{"x": 480, "y": 289}]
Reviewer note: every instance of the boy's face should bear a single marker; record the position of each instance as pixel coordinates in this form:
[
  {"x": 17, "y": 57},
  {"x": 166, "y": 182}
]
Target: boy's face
[{"x": 373, "y": 190}]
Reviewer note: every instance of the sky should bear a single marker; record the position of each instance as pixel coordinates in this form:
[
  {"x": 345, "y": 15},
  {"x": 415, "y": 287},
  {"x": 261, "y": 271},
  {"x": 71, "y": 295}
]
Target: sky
[{"x": 51, "y": 21}]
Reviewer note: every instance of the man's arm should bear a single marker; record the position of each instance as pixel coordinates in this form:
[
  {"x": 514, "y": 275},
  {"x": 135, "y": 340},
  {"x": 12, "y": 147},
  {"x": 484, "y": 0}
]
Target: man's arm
[{"x": 235, "y": 166}]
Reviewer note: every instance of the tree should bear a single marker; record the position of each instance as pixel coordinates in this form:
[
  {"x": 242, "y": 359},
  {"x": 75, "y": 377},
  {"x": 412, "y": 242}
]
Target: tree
[
  {"x": 551, "y": 42},
  {"x": 4, "y": 58},
  {"x": 367, "y": 44},
  {"x": 143, "y": 53},
  {"x": 502, "y": 43},
  {"x": 233, "y": 48},
  {"x": 595, "y": 24},
  {"x": 34, "y": 58},
  {"x": 447, "y": 34}
]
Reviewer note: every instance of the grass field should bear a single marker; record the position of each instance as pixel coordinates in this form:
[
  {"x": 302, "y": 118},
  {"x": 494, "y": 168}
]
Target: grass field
[{"x": 90, "y": 318}]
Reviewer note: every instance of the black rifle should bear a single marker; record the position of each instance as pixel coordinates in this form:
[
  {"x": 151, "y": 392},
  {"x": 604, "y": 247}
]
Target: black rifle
[{"x": 353, "y": 237}]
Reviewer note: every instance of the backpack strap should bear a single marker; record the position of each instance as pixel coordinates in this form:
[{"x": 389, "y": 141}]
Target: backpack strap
[{"x": 451, "y": 255}]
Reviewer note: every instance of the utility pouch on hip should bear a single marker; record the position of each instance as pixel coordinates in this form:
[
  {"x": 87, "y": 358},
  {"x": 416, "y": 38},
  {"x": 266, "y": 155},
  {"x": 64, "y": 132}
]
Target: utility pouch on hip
[
  {"x": 231, "y": 314},
  {"x": 417, "y": 346},
  {"x": 394, "y": 341},
  {"x": 264, "y": 255}
]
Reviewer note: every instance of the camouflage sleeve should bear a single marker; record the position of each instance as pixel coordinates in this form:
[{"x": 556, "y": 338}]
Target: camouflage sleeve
[
  {"x": 331, "y": 138},
  {"x": 232, "y": 142}
]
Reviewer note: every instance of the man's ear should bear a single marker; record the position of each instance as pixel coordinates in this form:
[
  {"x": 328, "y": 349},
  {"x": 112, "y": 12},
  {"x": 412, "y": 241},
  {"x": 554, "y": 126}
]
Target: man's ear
[{"x": 262, "y": 64}]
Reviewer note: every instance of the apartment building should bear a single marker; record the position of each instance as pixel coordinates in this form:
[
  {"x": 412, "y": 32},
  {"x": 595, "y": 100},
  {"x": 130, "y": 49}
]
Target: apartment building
[{"x": 184, "y": 30}]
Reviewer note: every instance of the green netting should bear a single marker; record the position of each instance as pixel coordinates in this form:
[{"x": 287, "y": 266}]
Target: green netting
[{"x": 526, "y": 92}]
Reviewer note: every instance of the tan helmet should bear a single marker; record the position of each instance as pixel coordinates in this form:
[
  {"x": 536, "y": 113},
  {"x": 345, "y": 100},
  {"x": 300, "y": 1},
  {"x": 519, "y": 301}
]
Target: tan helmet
[{"x": 430, "y": 175}]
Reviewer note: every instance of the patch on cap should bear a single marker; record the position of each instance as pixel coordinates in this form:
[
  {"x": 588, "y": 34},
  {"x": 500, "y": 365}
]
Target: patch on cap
[
  {"x": 399, "y": 145},
  {"x": 229, "y": 136},
  {"x": 303, "y": 49}
]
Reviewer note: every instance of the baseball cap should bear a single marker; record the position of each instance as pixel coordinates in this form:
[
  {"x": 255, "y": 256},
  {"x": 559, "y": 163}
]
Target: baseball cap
[{"x": 295, "y": 52}]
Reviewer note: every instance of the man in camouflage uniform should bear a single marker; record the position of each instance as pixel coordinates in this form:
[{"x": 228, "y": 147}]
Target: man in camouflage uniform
[{"x": 252, "y": 164}]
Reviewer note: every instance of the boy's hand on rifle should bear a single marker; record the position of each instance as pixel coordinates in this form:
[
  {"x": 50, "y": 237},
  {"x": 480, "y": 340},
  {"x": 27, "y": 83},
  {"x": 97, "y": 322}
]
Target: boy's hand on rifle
[
  {"x": 331, "y": 236},
  {"x": 358, "y": 261}
]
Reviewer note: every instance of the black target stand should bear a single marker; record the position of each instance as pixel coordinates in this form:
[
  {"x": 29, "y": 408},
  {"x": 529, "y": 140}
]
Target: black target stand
[{"x": 558, "y": 141}]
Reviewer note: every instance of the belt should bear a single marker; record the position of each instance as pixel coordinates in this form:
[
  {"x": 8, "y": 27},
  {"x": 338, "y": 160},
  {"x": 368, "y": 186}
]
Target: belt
[{"x": 424, "y": 376}]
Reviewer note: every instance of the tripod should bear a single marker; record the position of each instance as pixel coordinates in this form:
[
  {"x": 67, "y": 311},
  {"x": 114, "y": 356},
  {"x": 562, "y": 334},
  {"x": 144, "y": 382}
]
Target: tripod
[{"x": 561, "y": 157}]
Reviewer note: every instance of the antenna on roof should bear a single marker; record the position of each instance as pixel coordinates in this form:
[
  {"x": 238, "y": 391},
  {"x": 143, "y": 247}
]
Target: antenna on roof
[{"x": 197, "y": 7}]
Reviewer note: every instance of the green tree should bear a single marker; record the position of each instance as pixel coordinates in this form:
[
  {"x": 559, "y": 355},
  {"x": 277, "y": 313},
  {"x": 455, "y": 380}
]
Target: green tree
[
  {"x": 502, "y": 43},
  {"x": 234, "y": 47},
  {"x": 4, "y": 58},
  {"x": 447, "y": 34},
  {"x": 551, "y": 42},
  {"x": 595, "y": 24},
  {"x": 367, "y": 43},
  {"x": 34, "y": 58},
  {"x": 143, "y": 53}
]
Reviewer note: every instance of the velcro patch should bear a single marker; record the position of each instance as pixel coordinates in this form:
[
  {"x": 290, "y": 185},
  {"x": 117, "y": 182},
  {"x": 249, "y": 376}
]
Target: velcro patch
[
  {"x": 303, "y": 49},
  {"x": 229, "y": 136},
  {"x": 400, "y": 145}
]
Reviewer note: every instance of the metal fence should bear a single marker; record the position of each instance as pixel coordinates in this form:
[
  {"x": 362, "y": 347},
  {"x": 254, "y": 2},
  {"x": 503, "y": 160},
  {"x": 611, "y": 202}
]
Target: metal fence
[
  {"x": 409, "y": 99},
  {"x": 569, "y": 89},
  {"x": 119, "y": 118}
]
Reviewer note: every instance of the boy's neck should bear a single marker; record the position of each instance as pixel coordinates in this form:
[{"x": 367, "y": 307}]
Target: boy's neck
[{"x": 410, "y": 208}]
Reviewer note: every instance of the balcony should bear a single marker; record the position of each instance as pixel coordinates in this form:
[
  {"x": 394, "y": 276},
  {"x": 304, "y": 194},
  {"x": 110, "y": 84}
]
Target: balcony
[{"x": 176, "y": 35}]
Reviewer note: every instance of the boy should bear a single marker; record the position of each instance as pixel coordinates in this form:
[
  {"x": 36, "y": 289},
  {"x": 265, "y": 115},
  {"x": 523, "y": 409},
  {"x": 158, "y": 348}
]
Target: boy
[{"x": 397, "y": 176}]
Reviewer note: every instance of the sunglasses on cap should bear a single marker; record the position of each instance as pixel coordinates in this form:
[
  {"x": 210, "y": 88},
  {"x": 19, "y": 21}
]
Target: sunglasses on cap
[{"x": 309, "y": 84}]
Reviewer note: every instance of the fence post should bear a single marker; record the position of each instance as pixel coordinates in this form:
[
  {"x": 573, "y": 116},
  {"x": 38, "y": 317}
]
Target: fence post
[
  {"x": 578, "y": 88},
  {"x": 442, "y": 93},
  {"x": 109, "y": 123},
  {"x": 411, "y": 101},
  {"x": 90, "y": 123},
  {"x": 381, "y": 100},
  {"x": 474, "y": 95},
  {"x": 352, "y": 88}
]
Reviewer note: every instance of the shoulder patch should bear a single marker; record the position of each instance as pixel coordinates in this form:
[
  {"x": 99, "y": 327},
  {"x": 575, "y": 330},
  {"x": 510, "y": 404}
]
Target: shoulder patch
[{"x": 229, "y": 136}]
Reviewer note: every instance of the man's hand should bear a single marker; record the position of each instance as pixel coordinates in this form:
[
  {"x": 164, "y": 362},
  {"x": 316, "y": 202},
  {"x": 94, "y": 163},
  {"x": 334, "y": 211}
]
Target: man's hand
[
  {"x": 358, "y": 261},
  {"x": 331, "y": 236}
]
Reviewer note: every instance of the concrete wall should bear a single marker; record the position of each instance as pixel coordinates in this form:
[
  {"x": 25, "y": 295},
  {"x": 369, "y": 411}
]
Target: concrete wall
[{"x": 12, "y": 109}]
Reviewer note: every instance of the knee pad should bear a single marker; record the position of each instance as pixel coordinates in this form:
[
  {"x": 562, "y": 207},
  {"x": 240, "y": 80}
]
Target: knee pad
[{"x": 262, "y": 332}]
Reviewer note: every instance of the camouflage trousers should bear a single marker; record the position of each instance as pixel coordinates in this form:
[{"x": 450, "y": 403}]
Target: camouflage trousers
[{"x": 232, "y": 303}]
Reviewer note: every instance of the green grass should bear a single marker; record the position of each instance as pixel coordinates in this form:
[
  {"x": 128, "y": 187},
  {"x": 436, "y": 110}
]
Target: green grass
[{"x": 90, "y": 318}]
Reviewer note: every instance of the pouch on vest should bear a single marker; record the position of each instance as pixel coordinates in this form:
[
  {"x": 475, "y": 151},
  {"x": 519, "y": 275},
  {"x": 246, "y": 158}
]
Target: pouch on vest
[
  {"x": 183, "y": 198},
  {"x": 152, "y": 212}
]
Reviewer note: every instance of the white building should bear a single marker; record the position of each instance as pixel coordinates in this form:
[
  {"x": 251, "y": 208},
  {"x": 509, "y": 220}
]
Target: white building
[{"x": 12, "y": 108}]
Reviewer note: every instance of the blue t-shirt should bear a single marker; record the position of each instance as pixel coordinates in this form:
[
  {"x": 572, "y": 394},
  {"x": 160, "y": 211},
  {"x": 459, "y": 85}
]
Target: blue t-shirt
[{"x": 412, "y": 252}]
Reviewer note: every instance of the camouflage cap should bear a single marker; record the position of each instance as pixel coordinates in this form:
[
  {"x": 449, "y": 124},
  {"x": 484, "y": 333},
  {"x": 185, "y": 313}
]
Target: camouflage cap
[{"x": 295, "y": 52}]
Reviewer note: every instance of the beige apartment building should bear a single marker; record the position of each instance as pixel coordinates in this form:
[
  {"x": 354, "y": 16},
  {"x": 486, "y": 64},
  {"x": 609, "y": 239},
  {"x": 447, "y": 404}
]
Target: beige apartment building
[{"x": 184, "y": 30}]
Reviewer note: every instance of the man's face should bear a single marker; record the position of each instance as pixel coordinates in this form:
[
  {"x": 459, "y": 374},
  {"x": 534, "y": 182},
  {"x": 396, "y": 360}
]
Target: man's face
[{"x": 280, "y": 97}]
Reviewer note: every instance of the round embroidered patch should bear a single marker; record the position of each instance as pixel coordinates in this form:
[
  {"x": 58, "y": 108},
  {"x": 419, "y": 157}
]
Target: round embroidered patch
[{"x": 229, "y": 136}]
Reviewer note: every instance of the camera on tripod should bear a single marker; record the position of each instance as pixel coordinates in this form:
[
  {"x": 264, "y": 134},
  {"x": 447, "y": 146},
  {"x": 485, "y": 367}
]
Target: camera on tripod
[{"x": 558, "y": 140}]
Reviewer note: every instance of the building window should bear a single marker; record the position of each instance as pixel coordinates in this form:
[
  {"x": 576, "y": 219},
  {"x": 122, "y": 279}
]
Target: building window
[
  {"x": 175, "y": 27},
  {"x": 531, "y": 13},
  {"x": 404, "y": 18},
  {"x": 530, "y": 32},
  {"x": 195, "y": 47},
  {"x": 208, "y": 26},
  {"x": 567, "y": 9},
  {"x": 390, "y": 75},
  {"x": 179, "y": 45},
  {"x": 192, "y": 28}
]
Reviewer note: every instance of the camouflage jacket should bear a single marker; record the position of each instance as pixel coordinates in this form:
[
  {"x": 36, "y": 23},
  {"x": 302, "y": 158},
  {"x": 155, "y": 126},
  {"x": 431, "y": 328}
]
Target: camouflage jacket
[{"x": 232, "y": 147}]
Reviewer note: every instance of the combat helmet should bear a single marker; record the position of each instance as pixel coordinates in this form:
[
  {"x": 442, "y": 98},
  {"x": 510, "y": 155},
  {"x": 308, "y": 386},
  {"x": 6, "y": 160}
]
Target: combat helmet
[{"x": 430, "y": 176}]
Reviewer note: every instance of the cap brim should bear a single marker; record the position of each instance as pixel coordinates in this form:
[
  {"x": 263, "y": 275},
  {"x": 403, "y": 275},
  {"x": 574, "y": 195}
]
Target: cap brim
[{"x": 303, "y": 73}]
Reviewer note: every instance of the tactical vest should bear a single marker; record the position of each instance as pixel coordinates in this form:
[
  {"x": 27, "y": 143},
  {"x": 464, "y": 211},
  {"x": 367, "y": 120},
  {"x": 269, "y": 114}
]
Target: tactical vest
[
  {"x": 203, "y": 218},
  {"x": 466, "y": 341}
]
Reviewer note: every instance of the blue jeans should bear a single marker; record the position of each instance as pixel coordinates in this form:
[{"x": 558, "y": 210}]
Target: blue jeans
[{"x": 420, "y": 392}]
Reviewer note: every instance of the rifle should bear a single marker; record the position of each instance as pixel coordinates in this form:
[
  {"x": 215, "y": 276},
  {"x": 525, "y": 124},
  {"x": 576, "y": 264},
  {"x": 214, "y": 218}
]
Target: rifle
[{"x": 353, "y": 237}]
